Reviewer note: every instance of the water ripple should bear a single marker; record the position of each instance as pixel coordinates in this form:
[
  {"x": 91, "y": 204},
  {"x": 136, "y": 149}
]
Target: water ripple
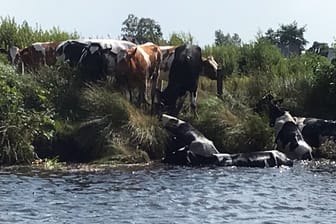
[{"x": 164, "y": 194}]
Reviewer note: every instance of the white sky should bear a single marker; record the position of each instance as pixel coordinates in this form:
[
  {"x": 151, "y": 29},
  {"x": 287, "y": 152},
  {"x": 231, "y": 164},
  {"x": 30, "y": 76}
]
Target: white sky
[{"x": 103, "y": 18}]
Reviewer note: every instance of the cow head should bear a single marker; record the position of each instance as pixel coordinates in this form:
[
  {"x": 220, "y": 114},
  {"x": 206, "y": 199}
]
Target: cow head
[
  {"x": 270, "y": 105},
  {"x": 126, "y": 54},
  {"x": 210, "y": 67},
  {"x": 171, "y": 122}
]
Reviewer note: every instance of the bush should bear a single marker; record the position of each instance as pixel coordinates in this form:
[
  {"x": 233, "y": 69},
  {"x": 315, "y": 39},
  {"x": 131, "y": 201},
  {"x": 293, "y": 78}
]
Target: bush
[{"x": 24, "y": 115}]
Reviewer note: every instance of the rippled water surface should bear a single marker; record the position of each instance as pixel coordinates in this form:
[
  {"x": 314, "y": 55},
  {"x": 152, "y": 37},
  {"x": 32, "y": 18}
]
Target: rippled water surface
[{"x": 305, "y": 193}]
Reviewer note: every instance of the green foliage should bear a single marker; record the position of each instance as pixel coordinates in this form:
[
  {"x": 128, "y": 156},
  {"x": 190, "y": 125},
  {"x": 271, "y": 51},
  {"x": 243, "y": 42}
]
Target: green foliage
[
  {"x": 122, "y": 127},
  {"x": 258, "y": 57},
  {"x": 181, "y": 38},
  {"x": 289, "y": 37},
  {"x": 22, "y": 35},
  {"x": 321, "y": 98},
  {"x": 143, "y": 29},
  {"x": 24, "y": 115},
  {"x": 222, "y": 39},
  {"x": 63, "y": 84},
  {"x": 226, "y": 56}
]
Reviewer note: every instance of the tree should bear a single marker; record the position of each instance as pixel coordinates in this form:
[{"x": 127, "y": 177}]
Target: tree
[
  {"x": 289, "y": 38},
  {"x": 143, "y": 29},
  {"x": 130, "y": 26},
  {"x": 222, "y": 39},
  {"x": 181, "y": 38},
  {"x": 271, "y": 36}
]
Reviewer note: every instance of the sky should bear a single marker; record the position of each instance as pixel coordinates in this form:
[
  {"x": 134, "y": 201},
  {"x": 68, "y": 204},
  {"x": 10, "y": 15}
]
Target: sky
[{"x": 103, "y": 18}]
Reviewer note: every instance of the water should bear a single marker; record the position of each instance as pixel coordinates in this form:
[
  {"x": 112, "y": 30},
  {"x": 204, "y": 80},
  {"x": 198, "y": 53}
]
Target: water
[{"x": 305, "y": 193}]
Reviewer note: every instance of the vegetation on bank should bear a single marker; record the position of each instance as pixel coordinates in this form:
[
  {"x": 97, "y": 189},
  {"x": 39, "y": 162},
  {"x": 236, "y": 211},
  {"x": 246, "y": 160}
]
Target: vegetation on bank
[{"x": 53, "y": 113}]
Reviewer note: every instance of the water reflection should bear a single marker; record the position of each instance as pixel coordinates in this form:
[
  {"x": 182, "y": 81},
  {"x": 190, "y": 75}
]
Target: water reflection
[{"x": 165, "y": 194}]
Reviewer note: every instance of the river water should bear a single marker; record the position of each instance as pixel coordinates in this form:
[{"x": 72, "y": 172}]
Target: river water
[{"x": 305, "y": 193}]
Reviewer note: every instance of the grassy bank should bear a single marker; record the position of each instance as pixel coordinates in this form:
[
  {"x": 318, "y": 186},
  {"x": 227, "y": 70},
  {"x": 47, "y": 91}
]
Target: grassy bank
[{"x": 55, "y": 114}]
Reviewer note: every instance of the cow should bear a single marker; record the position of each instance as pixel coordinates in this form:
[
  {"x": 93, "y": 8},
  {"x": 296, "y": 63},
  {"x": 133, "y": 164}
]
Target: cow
[
  {"x": 99, "y": 57},
  {"x": 183, "y": 77},
  {"x": 190, "y": 147},
  {"x": 12, "y": 54},
  {"x": 289, "y": 139},
  {"x": 183, "y": 65},
  {"x": 316, "y": 131},
  {"x": 71, "y": 51},
  {"x": 38, "y": 54},
  {"x": 139, "y": 68},
  {"x": 209, "y": 65}
]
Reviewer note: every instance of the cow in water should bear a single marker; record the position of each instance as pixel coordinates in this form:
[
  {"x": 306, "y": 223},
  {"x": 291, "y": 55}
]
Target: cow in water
[
  {"x": 139, "y": 68},
  {"x": 182, "y": 66},
  {"x": 289, "y": 138},
  {"x": 316, "y": 131},
  {"x": 188, "y": 146}
]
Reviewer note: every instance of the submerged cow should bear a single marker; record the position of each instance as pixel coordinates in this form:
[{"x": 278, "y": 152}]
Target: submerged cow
[
  {"x": 289, "y": 139},
  {"x": 190, "y": 147},
  {"x": 181, "y": 66},
  {"x": 139, "y": 68},
  {"x": 316, "y": 131}
]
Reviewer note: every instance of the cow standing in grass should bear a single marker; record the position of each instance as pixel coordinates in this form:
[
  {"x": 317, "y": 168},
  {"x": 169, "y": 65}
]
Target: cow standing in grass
[
  {"x": 99, "y": 57},
  {"x": 38, "y": 54},
  {"x": 181, "y": 66},
  {"x": 183, "y": 77},
  {"x": 71, "y": 51},
  {"x": 139, "y": 68}
]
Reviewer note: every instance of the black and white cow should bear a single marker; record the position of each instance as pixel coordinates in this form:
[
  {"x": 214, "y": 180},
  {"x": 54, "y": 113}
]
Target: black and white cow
[
  {"x": 209, "y": 65},
  {"x": 99, "y": 57},
  {"x": 190, "y": 147},
  {"x": 183, "y": 65},
  {"x": 316, "y": 131},
  {"x": 71, "y": 51},
  {"x": 289, "y": 138},
  {"x": 271, "y": 158}
]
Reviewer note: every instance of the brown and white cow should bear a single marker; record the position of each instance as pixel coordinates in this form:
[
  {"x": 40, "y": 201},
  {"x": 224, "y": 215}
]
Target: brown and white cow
[
  {"x": 38, "y": 54},
  {"x": 139, "y": 68}
]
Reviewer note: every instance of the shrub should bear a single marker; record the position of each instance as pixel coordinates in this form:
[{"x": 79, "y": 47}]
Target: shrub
[{"x": 24, "y": 115}]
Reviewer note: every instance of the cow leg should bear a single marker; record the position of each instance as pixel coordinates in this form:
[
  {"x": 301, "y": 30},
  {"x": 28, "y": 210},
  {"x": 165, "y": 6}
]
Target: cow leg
[
  {"x": 154, "y": 81},
  {"x": 130, "y": 95},
  {"x": 193, "y": 98}
]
